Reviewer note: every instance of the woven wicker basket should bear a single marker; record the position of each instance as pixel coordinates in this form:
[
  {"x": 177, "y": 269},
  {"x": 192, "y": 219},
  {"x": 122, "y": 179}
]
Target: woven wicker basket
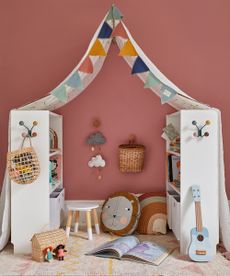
[
  {"x": 131, "y": 157},
  {"x": 23, "y": 164},
  {"x": 43, "y": 240}
]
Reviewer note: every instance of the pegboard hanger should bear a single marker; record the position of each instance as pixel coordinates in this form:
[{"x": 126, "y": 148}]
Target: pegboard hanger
[
  {"x": 29, "y": 131},
  {"x": 199, "y": 132}
]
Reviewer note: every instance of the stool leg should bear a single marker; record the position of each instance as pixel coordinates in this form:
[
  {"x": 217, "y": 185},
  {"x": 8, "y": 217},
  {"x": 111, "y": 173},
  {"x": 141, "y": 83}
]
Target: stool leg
[
  {"x": 96, "y": 221},
  {"x": 89, "y": 228},
  {"x": 76, "y": 221},
  {"x": 69, "y": 222}
]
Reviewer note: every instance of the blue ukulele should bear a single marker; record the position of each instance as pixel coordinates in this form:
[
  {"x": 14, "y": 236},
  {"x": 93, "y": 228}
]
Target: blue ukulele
[{"x": 199, "y": 248}]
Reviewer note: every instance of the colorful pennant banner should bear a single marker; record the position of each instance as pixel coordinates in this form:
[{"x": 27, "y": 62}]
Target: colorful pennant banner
[
  {"x": 167, "y": 94},
  {"x": 114, "y": 13},
  {"x": 97, "y": 49},
  {"x": 105, "y": 31},
  {"x": 128, "y": 49},
  {"x": 60, "y": 93},
  {"x": 86, "y": 66},
  {"x": 74, "y": 81},
  {"x": 139, "y": 66},
  {"x": 120, "y": 31}
]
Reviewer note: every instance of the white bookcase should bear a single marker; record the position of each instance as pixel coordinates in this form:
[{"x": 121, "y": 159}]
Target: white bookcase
[
  {"x": 36, "y": 207},
  {"x": 198, "y": 166}
]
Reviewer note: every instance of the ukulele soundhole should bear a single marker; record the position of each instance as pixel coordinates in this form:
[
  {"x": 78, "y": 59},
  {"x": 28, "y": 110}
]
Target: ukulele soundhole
[{"x": 200, "y": 238}]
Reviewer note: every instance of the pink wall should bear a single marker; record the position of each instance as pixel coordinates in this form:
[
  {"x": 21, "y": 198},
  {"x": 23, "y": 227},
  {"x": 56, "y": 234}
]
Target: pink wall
[{"x": 41, "y": 42}]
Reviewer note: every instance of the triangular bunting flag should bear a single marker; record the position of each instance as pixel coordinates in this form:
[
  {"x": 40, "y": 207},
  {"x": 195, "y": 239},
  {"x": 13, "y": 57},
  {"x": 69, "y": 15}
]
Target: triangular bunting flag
[
  {"x": 114, "y": 13},
  {"x": 110, "y": 15},
  {"x": 105, "y": 31},
  {"x": 97, "y": 49},
  {"x": 151, "y": 81},
  {"x": 128, "y": 49},
  {"x": 139, "y": 66},
  {"x": 74, "y": 81},
  {"x": 60, "y": 93},
  {"x": 167, "y": 93},
  {"x": 86, "y": 66},
  {"x": 120, "y": 31}
]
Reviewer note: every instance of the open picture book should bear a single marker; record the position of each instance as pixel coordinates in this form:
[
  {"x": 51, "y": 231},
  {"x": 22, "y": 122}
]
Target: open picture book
[{"x": 130, "y": 248}]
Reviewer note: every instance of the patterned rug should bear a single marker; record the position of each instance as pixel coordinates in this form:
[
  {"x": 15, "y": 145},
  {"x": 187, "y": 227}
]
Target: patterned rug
[{"x": 76, "y": 263}]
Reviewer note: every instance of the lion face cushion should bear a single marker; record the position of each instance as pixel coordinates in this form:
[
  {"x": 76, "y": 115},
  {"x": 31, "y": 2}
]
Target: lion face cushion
[{"x": 120, "y": 213}]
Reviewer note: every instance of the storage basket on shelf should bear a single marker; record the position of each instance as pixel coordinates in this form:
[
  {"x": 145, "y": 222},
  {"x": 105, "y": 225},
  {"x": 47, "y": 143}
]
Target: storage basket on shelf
[
  {"x": 23, "y": 165},
  {"x": 131, "y": 157},
  {"x": 43, "y": 240}
]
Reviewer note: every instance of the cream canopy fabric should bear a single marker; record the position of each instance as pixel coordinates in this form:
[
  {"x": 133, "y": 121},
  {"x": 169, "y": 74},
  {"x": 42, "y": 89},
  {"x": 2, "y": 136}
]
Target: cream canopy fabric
[{"x": 112, "y": 28}]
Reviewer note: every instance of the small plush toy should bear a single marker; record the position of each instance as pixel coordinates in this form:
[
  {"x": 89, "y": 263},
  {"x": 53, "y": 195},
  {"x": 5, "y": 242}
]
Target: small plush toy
[
  {"x": 60, "y": 249},
  {"x": 53, "y": 167},
  {"x": 48, "y": 251}
]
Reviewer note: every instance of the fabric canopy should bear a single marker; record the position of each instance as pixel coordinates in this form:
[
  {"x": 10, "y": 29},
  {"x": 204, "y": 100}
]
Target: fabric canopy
[{"x": 113, "y": 28}]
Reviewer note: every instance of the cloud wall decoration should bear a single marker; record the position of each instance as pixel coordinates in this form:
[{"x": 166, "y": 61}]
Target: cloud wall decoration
[
  {"x": 96, "y": 138},
  {"x": 96, "y": 161}
]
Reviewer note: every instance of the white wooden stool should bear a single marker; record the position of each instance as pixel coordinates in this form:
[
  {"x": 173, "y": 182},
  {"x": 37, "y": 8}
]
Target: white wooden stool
[{"x": 73, "y": 213}]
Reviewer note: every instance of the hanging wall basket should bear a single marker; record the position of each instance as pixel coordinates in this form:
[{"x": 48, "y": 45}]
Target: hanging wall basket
[
  {"x": 23, "y": 165},
  {"x": 131, "y": 157}
]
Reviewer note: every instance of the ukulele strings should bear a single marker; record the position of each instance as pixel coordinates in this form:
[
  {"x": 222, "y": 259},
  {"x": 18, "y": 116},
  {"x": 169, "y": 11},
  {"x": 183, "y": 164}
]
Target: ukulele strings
[{"x": 198, "y": 216}]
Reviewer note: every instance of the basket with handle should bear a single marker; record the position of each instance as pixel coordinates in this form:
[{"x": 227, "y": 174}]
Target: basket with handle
[
  {"x": 23, "y": 165},
  {"x": 131, "y": 156}
]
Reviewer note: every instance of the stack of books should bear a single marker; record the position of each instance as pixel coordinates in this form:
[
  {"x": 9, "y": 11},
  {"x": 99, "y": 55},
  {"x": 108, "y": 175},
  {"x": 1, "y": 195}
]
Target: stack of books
[{"x": 175, "y": 145}]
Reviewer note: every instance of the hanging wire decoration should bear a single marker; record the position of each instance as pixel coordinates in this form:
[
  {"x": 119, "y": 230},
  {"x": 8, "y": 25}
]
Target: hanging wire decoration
[{"x": 96, "y": 140}]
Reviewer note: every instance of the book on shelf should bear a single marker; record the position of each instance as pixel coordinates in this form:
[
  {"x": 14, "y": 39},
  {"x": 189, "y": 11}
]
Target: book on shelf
[
  {"x": 174, "y": 149},
  {"x": 132, "y": 249},
  {"x": 174, "y": 170},
  {"x": 175, "y": 145}
]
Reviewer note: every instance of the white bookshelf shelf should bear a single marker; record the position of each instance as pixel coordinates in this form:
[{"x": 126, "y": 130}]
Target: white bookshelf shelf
[
  {"x": 54, "y": 186},
  {"x": 176, "y": 189},
  {"x": 56, "y": 152},
  {"x": 198, "y": 159},
  {"x": 173, "y": 153},
  {"x": 43, "y": 213}
]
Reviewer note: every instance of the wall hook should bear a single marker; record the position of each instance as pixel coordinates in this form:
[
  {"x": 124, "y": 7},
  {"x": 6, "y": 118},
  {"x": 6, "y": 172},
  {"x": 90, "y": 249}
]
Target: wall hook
[
  {"x": 29, "y": 132},
  {"x": 199, "y": 132}
]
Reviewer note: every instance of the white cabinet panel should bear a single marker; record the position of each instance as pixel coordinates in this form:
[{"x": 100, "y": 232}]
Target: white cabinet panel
[
  {"x": 175, "y": 208},
  {"x": 198, "y": 166},
  {"x": 30, "y": 203},
  {"x": 56, "y": 208}
]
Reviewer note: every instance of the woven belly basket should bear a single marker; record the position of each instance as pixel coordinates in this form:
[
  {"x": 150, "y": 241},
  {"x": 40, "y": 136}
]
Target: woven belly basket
[{"x": 131, "y": 157}]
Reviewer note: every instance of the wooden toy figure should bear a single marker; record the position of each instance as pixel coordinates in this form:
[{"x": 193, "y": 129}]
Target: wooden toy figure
[
  {"x": 60, "y": 249},
  {"x": 48, "y": 251}
]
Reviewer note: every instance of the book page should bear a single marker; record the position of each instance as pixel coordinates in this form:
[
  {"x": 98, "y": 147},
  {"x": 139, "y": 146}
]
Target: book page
[
  {"x": 147, "y": 252},
  {"x": 116, "y": 247}
]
